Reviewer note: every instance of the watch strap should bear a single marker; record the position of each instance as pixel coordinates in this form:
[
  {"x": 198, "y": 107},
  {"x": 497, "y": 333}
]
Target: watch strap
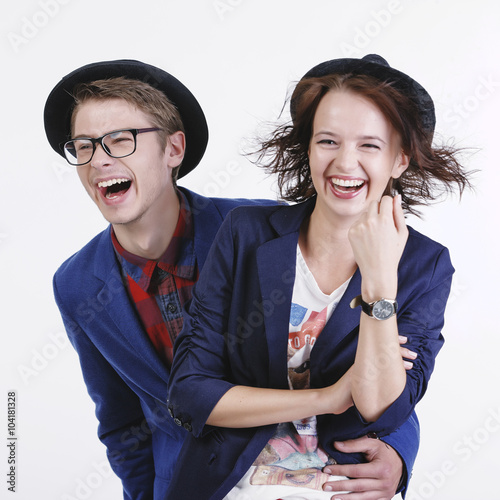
[{"x": 367, "y": 307}]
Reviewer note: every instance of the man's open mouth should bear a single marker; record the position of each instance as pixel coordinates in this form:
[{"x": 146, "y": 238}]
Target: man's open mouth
[{"x": 114, "y": 187}]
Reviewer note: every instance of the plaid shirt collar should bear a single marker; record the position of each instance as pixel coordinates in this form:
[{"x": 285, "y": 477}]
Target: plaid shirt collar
[{"x": 178, "y": 259}]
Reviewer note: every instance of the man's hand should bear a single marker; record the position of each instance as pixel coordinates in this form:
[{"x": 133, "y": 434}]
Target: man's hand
[{"x": 376, "y": 480}]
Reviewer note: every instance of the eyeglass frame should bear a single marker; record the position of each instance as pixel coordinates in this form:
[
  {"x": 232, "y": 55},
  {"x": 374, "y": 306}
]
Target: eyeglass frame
[{"x": 134, "y": 131}]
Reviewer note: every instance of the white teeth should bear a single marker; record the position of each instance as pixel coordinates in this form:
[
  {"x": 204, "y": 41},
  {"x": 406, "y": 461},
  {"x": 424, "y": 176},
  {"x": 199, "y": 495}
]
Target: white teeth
[
  {"x": 347, "y": 183},
  {"x": 111, "y": 182}
]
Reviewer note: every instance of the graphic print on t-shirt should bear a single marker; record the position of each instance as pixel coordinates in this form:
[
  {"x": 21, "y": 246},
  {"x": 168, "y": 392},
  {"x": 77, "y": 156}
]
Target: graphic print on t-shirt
[
  {"x": 292, "y": 456},
  {"x": 299, "y": 349}
]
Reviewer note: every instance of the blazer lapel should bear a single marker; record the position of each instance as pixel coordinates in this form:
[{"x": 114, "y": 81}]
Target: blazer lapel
[
  {"x": 207, "y": 220},
  {"x": 276, "y": 270},
  {"x": 276, "y": 262},
  {"x": 343, "y": 320}
]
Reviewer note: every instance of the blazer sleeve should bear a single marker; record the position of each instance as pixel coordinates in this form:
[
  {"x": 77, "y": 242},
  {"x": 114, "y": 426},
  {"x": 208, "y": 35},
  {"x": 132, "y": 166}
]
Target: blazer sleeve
[
  {"x": 405, "y": 440},
  {"x": 421, "y": 319},
  {"x": 424, "y": 286},
  {"x": 122, "y": 425},
  {"x": 199, "y": 376}
]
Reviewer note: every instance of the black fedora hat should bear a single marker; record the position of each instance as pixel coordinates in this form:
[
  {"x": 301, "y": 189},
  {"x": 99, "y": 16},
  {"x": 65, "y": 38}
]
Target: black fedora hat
[
  {"x": 59, "y": 105},
  {"x": 377, "y": 67}
]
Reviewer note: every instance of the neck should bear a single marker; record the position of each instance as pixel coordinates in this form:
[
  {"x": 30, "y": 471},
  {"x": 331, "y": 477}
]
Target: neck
[
  {"x": 150, "y": 235},
  {"x": 327, "y": 251},
  {"x": 321, "y": 235}
]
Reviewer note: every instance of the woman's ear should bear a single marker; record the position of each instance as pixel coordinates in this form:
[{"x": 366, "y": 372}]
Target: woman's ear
[{"x": 400, "y": 165}]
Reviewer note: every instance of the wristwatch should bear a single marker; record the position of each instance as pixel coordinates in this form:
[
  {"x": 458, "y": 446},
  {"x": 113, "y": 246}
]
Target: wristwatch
[{"x": 379, "y": 309}]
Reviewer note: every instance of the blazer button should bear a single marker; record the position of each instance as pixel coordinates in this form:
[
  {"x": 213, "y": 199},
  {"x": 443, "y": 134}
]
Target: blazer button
[
  {"x": 188, "y": 427},
  {"x": 178, "y": 422},
  {"x": 171, "y": 411},
  {"x": 172, "y": 308}
]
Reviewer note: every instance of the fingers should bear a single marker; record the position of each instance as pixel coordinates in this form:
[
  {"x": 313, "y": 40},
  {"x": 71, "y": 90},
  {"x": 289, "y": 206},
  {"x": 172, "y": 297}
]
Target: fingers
[
  {"x": 369, "y": 445},
  {"x": 360, "y": 445},
  {"x": 374, "y": 480},
  {"x": 375, "y": 208},
  {"x": 349, "y": 489},
  {"x": 399, "y": 216},
  {"x": 389, "y": 207},
  {"x": 393, "y": 205},
  {"x": 340, "y": 485},
  {"x": 386, "y": 205},
  {"x": 348, "y": 470},
  {"x": 406, "y": 353}
]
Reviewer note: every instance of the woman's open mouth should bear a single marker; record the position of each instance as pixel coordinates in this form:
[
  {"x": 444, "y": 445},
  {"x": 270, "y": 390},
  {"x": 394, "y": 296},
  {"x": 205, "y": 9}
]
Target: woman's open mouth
[{"x": 346, "y": 188}]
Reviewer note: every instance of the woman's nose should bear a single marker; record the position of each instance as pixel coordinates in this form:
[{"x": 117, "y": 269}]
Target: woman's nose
[{"x": 346, "y": 159}]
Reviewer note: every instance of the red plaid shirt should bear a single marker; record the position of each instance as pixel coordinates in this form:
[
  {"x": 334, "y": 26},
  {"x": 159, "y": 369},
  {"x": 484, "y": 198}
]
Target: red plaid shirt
[{"x": 160, "y": 288}]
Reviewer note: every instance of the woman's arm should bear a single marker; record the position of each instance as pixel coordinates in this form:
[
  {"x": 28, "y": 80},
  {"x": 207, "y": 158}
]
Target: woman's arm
[
  {"x": 252, "y": 406},
  {"x": 243, "y": 406},
  {"x": 378, "y": 240}
]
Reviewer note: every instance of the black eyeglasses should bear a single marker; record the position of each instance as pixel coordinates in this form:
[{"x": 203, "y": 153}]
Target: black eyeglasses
[{"x": 117, "y": 144}]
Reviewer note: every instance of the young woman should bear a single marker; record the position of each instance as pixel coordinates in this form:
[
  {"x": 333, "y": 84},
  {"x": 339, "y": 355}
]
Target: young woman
[{"x": 276, "y": 306}]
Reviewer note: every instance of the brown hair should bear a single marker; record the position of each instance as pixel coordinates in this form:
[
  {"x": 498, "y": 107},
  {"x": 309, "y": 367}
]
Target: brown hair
[
  {"x": 432, "y": 170},
  {"x": 153, "y": 102}
]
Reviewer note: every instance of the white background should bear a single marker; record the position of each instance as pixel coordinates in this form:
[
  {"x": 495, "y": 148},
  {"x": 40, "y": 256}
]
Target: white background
[{"x": 238, "y": 57}]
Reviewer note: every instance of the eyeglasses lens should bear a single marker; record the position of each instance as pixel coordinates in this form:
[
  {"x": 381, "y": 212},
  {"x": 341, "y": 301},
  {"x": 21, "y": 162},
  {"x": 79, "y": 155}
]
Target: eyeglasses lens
[{"x": 116, "y": 144}]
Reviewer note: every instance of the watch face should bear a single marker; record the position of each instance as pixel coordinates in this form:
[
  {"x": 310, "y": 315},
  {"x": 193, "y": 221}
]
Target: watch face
[{"x": 383, "y": 309}]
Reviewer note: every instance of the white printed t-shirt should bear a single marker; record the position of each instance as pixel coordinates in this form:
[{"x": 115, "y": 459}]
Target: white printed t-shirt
[{"x": 291, "y": 463}]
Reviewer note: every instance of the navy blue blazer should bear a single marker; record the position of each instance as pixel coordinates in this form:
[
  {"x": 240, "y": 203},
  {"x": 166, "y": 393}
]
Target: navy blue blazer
[
  {"x": 124, "y": 375},
  {"x": 236, "y": 333}
]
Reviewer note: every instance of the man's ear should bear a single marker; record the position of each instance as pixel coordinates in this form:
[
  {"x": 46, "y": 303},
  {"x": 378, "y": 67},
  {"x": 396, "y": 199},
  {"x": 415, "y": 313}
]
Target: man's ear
[{"x": 175, "y": 149}]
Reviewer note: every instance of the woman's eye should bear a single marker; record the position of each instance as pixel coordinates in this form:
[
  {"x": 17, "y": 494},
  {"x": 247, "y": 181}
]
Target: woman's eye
[
  {"x": 327, "y": 141},
  {"x": 371, "y": 146}
]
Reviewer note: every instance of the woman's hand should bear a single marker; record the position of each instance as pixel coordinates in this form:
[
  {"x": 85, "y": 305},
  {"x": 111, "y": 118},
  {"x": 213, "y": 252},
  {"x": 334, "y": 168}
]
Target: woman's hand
[{"x": 378, "y": 239}]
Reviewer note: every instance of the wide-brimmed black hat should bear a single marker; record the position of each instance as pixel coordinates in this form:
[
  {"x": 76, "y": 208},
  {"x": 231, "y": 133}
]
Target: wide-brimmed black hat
[
  {"x": 377, "y": 67},
  {"x": 59, "y": 105}
]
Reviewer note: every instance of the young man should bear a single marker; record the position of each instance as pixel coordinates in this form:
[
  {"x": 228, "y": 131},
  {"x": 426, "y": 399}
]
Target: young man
[{"x": 131, "y": 130}]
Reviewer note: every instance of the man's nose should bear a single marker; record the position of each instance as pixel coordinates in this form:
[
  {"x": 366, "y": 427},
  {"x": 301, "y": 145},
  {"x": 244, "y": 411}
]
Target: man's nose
[{"x": 101, "y": 158}]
